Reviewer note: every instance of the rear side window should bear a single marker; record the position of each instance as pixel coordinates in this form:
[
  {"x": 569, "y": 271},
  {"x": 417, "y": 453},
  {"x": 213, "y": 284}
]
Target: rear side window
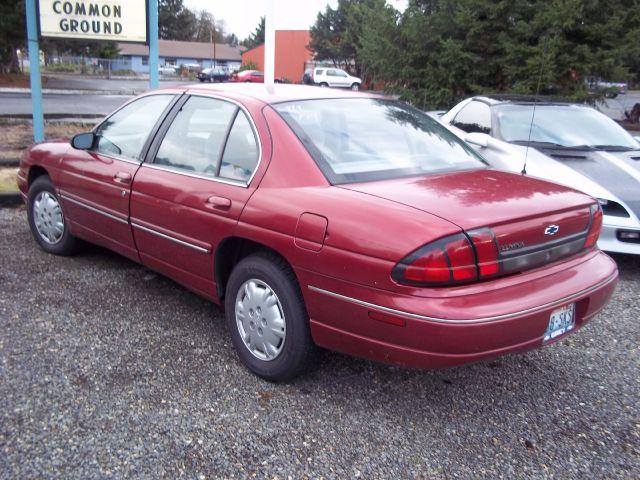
[
  {"x": 474, "y": 117},
  {"x": 319, "y": 71},
  {"x": 210, "y": 137},
  {"x": 125, "y": 132},
  {"x": 241, "y": 151}
]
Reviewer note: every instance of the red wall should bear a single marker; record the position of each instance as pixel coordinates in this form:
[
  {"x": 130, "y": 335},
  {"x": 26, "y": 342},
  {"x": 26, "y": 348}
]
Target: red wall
[{"x": 291, "y": 54}]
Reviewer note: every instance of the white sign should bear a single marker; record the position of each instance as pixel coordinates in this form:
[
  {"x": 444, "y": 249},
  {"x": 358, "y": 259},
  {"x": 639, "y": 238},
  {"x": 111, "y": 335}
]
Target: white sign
[{"x": 120, "y": 20}]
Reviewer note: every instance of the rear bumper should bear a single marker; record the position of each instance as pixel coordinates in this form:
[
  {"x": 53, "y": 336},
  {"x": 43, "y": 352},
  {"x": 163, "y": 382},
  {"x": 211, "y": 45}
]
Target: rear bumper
[{"x": 412, "y": 331}]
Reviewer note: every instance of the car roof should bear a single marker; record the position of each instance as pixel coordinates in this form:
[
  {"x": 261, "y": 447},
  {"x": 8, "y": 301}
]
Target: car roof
[
  {"x": 501, "y": 99},
  {"x": 279, "y": 92}
]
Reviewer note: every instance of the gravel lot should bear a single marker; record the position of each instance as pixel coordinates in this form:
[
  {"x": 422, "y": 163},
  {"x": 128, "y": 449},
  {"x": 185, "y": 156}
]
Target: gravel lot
[{"x": 109, "y": 370}]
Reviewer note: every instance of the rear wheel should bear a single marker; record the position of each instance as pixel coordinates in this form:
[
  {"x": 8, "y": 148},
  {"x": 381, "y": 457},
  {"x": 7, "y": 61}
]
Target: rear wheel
[
  {"x": 46, "y": 219},
  {"x": 324, "y": 84},
  {"x": 267, "y": 318}
]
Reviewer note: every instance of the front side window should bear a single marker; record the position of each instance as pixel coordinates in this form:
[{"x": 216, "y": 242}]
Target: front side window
[
  {"x": 210, "y": 137},
  {"x": 124, "y": 133},
  {"x": 474, "y": 117},
  {"x": 357, "y": 140}
]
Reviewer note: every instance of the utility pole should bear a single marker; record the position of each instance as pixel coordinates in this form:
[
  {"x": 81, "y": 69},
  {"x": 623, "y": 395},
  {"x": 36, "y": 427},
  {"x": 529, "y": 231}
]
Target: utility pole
[{"x": 213, "y": 25}]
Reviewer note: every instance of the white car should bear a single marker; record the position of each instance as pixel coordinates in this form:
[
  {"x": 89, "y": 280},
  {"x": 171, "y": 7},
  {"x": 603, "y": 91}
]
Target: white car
[
  {"x": 167, "y": 69},
  {"x": 335, "y": 77},
  {"x": 570, "y": 144}
]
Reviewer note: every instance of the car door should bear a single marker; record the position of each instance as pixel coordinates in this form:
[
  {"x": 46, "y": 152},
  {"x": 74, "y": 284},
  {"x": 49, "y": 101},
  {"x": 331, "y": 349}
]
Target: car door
[
  {"x": 475, "y": 117},
  {"x": 188, "y": 195},
  {"x": 95, "y": 184},
  {"x": 332, "y": 77},
  {"x": 342, "y": 79}
]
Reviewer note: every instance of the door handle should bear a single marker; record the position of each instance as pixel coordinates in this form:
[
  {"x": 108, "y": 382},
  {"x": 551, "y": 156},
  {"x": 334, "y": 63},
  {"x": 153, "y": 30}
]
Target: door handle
[
  {"x": 122, "y": 177},
  {"x": 219, "y": 202}
]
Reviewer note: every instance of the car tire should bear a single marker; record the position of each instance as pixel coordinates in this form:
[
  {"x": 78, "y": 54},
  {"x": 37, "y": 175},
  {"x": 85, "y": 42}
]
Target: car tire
[
  {"x": 279, "y": 309},
  {"x": 45, "y": 213},
  {"x": 324, "y": 84},
  {"x": 201, "y": 80},
  {"x": 355, "y": 87}
]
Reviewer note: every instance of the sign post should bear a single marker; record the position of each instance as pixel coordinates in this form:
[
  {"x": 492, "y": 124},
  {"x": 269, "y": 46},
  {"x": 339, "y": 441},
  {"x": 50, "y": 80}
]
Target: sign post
[
  {"x": 34, "y": 71},
  {"x": 115, "y": 20},
  {"x": 153, "y": 44}
]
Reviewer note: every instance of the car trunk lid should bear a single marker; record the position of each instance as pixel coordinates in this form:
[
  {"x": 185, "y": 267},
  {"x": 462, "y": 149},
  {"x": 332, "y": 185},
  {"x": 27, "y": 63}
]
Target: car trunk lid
[{"x": 533, "y": 221}]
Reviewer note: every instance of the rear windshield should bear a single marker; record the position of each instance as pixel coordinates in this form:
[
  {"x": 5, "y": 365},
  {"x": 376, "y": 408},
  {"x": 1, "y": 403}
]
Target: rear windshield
[{"x": 366, "y": 139}]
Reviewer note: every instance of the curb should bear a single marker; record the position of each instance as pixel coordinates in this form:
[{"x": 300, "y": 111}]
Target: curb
[
  {"x": 9, "y": 162},
  {"x": 50, "y": 91},
  {"x": 10, "y": 199},
  {"x": 54, "y": 116}
]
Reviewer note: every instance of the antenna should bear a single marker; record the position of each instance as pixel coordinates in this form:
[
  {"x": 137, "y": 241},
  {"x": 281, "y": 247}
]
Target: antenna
[{"x": 535, "y": 102}]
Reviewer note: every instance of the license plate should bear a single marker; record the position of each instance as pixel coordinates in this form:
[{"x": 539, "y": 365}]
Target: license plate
[{"x": 561, "y": 321}]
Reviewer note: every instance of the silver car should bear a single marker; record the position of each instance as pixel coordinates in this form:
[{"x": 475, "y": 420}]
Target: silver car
[{"x": 570, "y": 144}]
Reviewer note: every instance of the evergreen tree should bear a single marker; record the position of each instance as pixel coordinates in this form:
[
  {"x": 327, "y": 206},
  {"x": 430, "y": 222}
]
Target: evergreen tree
[{"x": 257, "y": 37}]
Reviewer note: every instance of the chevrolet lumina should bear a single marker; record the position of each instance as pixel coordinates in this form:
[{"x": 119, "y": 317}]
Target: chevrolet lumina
[{"x": 325, "y": 218}]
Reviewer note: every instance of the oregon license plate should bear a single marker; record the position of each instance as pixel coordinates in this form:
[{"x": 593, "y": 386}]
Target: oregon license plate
[{"x": 561, "y": 321}]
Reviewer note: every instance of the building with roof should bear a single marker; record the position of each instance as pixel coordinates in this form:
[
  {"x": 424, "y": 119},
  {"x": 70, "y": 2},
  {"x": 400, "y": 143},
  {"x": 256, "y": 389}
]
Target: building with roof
[
  {"x": 291, "y": 54},
  {"x": 135, "y": 56}
]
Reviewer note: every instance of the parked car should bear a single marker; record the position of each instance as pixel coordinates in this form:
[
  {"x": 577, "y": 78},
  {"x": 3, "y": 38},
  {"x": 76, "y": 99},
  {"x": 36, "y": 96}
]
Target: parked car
[
  {"x": 611, "y": 89},
  {"x": 168, "y": 69},
  {"x": 213, "y": 75},
  {"x": 335, "y": 77},
  {"x": 358, "y": 224},
  {"x": 250, "y": 76},
  {"x": 571, "y": 144}
]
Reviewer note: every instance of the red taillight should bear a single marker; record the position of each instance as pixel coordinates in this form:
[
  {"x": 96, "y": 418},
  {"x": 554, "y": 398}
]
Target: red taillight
[
  {"x": 447, "y": 261},
  {"x": 594, "y": 227},
  {"x": 486, "y": 252},
  {"x": 463, "y": 265},
  {"x": 432, "y": 266}
]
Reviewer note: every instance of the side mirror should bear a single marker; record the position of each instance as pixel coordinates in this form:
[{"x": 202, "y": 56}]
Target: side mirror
[
  {"x": 83, "y": 141},
  {"x": 478, "y": 139}
]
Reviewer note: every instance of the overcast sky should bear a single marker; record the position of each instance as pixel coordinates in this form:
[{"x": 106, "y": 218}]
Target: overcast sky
[{"x": 242, "y": 16}]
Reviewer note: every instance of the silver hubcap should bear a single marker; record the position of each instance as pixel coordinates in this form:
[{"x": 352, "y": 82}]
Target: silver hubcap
[
  {"x": 260, "y": 319},
  {"x": 47, "y": 216}
]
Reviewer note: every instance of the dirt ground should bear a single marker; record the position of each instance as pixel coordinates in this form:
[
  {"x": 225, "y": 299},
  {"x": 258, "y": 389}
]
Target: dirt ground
[
  {"x": 16, "y": 137},
  {"x": 17, "y": 80},
  {"x": 8, "y": 180}
]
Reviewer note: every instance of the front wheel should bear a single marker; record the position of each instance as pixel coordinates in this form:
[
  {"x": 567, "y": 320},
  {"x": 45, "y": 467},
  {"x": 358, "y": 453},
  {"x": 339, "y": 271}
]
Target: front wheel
[
  {"x": 46, "y": 219},
  {"x": 355, "y": 87},
  {"x": 267, "y": 318}
]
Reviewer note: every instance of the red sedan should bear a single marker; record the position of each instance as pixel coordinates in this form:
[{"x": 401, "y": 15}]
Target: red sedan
[
  {"x": 250, "y": 76},
  {"x": 326, "y": 218}
]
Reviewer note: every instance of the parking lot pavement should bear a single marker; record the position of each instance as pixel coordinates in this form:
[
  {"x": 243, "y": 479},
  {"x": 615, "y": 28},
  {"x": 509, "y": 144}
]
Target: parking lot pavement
[
  {"x": 70, "y": 104},
  {"x": 615, "y": 107},
  {"x": 109, "y": 370}
]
